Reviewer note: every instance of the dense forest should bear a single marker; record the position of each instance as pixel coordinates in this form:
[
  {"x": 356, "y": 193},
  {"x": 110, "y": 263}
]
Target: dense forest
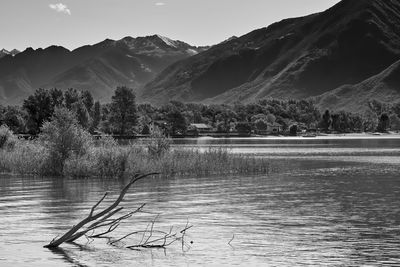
[{"x": 123, "y": 116}]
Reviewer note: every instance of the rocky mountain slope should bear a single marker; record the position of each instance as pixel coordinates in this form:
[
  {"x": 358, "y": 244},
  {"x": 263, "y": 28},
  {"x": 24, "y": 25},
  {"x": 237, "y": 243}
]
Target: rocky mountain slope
[
  {"x": 328, "y": 53},
  {"x": 384, "y": 86}
]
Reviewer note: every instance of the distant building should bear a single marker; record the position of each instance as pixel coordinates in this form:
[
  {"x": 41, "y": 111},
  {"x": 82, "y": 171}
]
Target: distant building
[
  {"x": 274, "y": 128},
  {"x": 201, "y": 128},
  {"x": 270, "y": 128}
]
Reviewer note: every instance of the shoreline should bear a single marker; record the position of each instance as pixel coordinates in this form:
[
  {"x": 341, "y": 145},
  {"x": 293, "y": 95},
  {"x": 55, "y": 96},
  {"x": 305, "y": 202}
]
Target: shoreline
[
  {"x": 256, "y": 137},
  {"x": 318, "y": 137}
]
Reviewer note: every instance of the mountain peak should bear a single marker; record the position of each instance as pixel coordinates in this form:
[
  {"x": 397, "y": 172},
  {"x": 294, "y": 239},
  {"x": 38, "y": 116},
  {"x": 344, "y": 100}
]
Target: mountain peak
[
  {"x": 4, "y": 52},
  {"x": 15, "y": 51},
  {"x": 154, "y": 44},
  {"x": 168, "y": 41}
]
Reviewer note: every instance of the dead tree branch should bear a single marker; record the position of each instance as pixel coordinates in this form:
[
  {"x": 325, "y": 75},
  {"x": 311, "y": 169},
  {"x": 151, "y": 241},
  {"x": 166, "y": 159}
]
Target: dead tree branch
[
  {"x": 152, "y": 238},
  {"x": 101, "y": 219}
]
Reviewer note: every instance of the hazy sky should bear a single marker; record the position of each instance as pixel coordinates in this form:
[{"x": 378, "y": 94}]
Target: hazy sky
[{"x": 73, "y": 23}]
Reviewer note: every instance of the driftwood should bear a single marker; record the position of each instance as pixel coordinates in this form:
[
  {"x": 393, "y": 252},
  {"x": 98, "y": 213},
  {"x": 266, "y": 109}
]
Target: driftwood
[
  {"x": 101, "y": 219},
  {"x": 152, "y": 238}
]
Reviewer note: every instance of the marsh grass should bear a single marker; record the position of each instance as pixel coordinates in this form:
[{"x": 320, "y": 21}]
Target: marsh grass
[
  {"x": 113, "y": 160},
  {"x": 106, "y": 158},
  {"x": 26, "y": 157},
  {"x": 124, "y": 161}
]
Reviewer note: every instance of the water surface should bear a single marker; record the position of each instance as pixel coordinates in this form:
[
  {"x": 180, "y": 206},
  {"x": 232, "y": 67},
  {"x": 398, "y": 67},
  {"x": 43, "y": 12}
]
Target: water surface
[{"x": 326, "y": 202}]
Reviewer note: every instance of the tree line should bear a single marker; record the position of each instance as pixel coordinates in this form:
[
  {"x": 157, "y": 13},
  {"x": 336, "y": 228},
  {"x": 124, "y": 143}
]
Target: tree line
[{"x": 124, "y": 116}]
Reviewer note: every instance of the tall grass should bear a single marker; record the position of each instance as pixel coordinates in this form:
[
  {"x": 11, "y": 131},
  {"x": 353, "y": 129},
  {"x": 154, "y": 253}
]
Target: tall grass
[
  {"x": 113, "y": 160},
  {"x": 26, "y": 157},
  {"x": 108, "y": 159}
]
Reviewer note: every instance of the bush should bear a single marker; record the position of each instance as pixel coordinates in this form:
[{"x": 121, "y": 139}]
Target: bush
[
  {"x": 63, "y": 138},
  {"x": 158, "y": 143},
  {"x": 7, "y": 138}
]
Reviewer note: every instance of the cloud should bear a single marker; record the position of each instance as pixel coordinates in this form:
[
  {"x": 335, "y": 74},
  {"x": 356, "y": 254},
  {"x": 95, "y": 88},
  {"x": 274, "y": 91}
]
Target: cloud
[
  {"x": 160, "y": 4},
  {"x": 60, "y": 8}
]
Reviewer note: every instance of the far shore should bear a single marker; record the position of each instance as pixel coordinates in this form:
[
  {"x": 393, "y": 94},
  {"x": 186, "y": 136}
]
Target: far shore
[{"x": 319, "y": 137}]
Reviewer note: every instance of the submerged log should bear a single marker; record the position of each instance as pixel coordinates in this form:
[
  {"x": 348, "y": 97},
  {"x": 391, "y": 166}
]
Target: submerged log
[{"x": 101, "y": 219}]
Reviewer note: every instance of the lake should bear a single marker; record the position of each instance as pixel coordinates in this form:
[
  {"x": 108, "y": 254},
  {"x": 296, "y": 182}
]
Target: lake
[{"x": 326, "y": 201}]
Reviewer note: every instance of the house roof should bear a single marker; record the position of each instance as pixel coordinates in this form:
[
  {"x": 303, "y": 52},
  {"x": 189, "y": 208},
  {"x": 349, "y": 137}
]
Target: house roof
[
  {"x": 275, "y": 124},
  {"x": 201, "y": 126}
]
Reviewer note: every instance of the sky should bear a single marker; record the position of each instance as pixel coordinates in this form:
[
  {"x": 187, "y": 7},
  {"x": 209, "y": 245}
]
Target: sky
[{"x": 73, "y": 23}]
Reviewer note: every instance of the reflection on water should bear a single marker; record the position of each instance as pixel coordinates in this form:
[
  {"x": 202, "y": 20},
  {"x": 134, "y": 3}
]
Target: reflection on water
[{"x": 329, "y": 208}]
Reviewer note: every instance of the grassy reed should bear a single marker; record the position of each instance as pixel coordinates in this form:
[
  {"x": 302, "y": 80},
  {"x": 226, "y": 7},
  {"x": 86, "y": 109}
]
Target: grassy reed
[
  {"x": 26, "y": 157},
  {"x": 122, "y": 161},
  {"x": 108, "y": 159},
  {"x": 65, "y": 148}
]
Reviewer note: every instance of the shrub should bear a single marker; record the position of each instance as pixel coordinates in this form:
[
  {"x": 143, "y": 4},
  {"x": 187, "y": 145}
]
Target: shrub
[
  {"x": 63, "y": 138},
  {"x": 158, "y": 143},
  {"x": 7, "y": 138}
]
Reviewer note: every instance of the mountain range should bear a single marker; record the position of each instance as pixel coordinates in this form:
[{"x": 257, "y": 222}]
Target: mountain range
[
  {"x": 98, "y": 68},
  {"x": 341, "y": 57}
]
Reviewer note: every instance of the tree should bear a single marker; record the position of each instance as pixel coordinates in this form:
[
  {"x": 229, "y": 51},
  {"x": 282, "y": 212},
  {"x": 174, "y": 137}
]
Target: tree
[
  {"x": 326, "y": 121},
  {"x": 261, "y": 125},
  {"x": 355, "y": 122},
  {"x": 344, "y": 121},
  {"x": 40, "y": 107},
  {"x": 96, "y": 118},
  {"x": 224, "y": 120},
  {"x": 14, "y": 118},
  {"x": 177, "y": 122},
  {"x": 2, "y": 111},
  {"x": 71, "y": 96},
  {"x": 384, "y": 123},
  {"x": 370, "y": 121},
  {"x": 271, "y": 118},
  {"x": 105, "y": 125},
  {"x": 123, "y": 112},
  {"x": 243, "y": 128},
  {"x": 197, "y": 118},
  {"x": 240, "y": 110},
  {"x": 82, "y": 114},
  {"x": 87, "y": 100},
  {"x": 293, "y": 130},
  {"x": 335, "y": 122},
  {"x": 394, "y": 122},
  {"x": 57, "y": 97}
]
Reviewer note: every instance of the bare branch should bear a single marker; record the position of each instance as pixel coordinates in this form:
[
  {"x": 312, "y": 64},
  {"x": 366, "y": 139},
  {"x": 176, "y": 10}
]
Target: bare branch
[
  {"x": 167, "y": 238},
  {"x": 98, "y": 218},
  {"x": 229, "y": 243}
]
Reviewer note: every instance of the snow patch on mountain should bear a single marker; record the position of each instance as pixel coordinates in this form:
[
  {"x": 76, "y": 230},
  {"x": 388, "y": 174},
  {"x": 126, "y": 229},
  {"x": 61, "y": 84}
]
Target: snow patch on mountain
[
  {"x": 168, "y": 41},
  {"x": 191, "y": 52}
]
